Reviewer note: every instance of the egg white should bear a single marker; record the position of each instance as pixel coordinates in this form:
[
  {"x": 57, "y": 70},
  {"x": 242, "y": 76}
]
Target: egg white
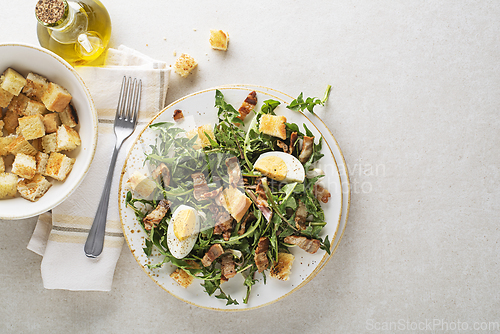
[
  {"x": 181, "y": 248},
  {"x": 295, "y": 169}
]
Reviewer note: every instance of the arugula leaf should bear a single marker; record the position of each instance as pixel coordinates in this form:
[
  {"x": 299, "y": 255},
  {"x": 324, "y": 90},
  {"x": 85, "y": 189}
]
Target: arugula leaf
[{"x": 300, "y": 105}]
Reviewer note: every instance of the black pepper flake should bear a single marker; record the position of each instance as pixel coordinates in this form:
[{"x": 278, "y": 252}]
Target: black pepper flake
[{"x": 49, "y": 11}]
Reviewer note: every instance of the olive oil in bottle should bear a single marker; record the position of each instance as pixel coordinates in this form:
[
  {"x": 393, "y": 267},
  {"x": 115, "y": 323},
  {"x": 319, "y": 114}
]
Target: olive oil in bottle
[{"x": 78, "y": 31}]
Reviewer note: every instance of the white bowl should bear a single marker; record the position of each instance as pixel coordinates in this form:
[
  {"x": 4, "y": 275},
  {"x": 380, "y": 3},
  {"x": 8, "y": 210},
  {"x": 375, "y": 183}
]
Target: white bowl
[{"x": 24, "y": 59}]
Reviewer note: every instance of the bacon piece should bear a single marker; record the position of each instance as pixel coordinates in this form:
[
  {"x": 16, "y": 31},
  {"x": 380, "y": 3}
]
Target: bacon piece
[
  {"x": 260, "y": 257},
  {"x": 200, "y": 185},
  {"x": 266, "y": 212},
  {"x": 213, "y": 252},
  {"x": 307, "y": 149},
  {"x": 321, "y": 193},
  {"x": 309, "y": 245},
  {"x": 155, "y": 216},
  {"x": 301, "y": 216},
  {"x": 223, "y": 224},
  {"x": 249, "y": 218},
  {"x": 228, "y": 267},
  {"x": 162, "y": 170},
  {"x": 178, "y": 115},
  {"x": 248, "y": 105},
  {"x": 293, "y": 139},
  {"x": 211, "y": 194},
  {"x": 234, "y": 171},
  {"x": 282, "y": 145}
]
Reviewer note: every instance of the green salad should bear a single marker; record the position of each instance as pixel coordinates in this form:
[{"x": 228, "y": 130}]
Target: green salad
[{"x": 230, "y": 199}]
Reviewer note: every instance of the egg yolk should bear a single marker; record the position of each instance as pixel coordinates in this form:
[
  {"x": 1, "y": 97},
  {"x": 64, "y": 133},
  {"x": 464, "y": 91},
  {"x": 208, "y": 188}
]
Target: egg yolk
[
  {"x": 184, "y": 224},
  {"x": 272, "y": 167}
]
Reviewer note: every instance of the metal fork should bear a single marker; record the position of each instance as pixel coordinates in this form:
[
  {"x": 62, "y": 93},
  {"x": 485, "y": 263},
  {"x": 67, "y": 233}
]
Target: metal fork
[{"x": 125, "y": 122}]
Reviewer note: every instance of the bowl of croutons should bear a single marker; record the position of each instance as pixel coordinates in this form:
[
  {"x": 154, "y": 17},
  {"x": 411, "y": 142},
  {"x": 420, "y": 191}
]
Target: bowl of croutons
[{"x": 48, "y": 130}]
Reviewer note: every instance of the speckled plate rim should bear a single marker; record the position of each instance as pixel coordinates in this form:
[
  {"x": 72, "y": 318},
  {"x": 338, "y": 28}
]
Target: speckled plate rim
[
  {"x": 93, "y": 144},
  {"x": 342, "y": 215}
]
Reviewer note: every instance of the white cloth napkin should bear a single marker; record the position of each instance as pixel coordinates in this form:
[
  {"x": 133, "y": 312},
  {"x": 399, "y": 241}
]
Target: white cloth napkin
[{"x": 60, "y": 236}]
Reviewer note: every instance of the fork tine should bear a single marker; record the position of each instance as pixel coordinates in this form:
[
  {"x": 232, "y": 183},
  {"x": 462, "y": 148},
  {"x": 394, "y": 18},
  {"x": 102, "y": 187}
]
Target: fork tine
[
  {"x": 137, "y": 99},
  {"x": 127, "y": 100},
  {"x": 132, "y": 95},
  {"x": 119, "y": 106}
]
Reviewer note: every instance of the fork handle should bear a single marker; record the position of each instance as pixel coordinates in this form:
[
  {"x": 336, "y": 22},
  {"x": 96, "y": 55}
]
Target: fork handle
[{"x": 95, "y": 240}]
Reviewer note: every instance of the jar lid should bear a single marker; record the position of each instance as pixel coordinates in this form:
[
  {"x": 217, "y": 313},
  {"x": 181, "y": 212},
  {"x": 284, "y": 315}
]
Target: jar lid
[{"x": 50, "y": 11}]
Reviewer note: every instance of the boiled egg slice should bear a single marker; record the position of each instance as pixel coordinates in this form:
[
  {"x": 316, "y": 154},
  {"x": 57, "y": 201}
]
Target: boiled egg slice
[
  {"x": 183, "y": 231},
  {"x": 280, "y": 166}
]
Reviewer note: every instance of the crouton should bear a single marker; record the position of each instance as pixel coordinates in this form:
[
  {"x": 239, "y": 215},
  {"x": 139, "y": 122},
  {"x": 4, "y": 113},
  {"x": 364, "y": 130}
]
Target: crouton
[
  {"x": 18, "y": 104},
  {"x": 34, "y": 107},
  {"x": 1, "y": 128},
  {"x": 182, "y": 277},
  {"x": 68, "y": 116},
  {"x": 184, "y": 65},
  {"x": 35, "y": 86},
  {"x": 273, "y": 125},
  {"x": 235, "y": 202},
  {"x": 219, "y": 39},
  {"x": 59, "y": 166},
  {"x": 33, "y": 189},
  {"x": 41, "y": 162},
  {"x": 141, "y": 184},
  {"x": 56, "y": 97},
  {"x": 11, "y": 121},
  {"x": 8, "y": 185},
  {"x": 37, "y": 144},
  {"x": 32, "y": 127},
  {"x": 209, "y": 130},
  {"x": 281, "y": 269},
  {"x": 24, "y": 166},
  {"x": 49, "y": 143},
  {"x": 4, "y": 143},
  {"x": 2, "y": 165},
  {"x": 21, "y": 145},
  {"x": 12, "y": 81},
  {"x": 5, "y": 98},
  {"x": 51, "y": 122},
  {"x": 67, "y": 138}
]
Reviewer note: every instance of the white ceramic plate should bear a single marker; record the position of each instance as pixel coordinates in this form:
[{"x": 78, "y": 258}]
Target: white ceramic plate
[
  {"x": 24, "y": 59},
  {"x": 305, "y": 267}
]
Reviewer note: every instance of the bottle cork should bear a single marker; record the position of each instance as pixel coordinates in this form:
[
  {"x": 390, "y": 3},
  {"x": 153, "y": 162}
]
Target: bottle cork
[{"x": 50, "y": 11}]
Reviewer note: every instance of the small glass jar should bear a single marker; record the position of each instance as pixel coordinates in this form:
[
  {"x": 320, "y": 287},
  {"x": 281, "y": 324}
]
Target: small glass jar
[{"x": 78, "y": 31}]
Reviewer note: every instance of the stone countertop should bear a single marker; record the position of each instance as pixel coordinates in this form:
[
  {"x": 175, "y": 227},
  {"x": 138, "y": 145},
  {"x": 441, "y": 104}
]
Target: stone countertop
[{"x": 414, "y": 107}]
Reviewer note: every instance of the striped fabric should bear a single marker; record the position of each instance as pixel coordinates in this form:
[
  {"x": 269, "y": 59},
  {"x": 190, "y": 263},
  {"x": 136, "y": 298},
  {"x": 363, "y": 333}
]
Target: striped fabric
[{"x": 64, "y": 264}]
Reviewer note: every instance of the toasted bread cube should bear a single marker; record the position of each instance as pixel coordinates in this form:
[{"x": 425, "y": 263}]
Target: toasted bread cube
[
  {"x": 235, "y": 202},
  {"x": 51, "y": 122},
  {"x": 49, "y": 143},
  {"x": 59, "y": 166},
  {"x": 32, "y": 127},
  {"x": 11, "y": 121},
  {"x": 182, "y": 277},
  {"x": 2, "y": 165},
  {"x": 184, "y": 65},
  {"x": 12, "y": 81},
  {"x": 24, "y": 165},
  {"x": 219, "y": 39},
  {"x": 33, "y": 189},
  {"x": 18, "y": 104},
  {"x": 35, "y": 86},
  {"x": 21, "y": 145},
  {"x": 209, "y": 130},
  {"x": 281, "y": 269},
  {"x": 41, "y": 162},
  {"x": 141, "y": 184},
  {"x": 56, "y": 97},
  {"x": 4, "y": 143},
  {"x": 5, "y": 98},
  {"x": 37, "y": 144},
  {"x": 8, "y": 185},
  {"x": 1, "y": 128},
  {"x": 68, "y": 116},
  {"x": 34, "y": 108},
  {"x": 67, "y": 138},
  {"x": 273, "y": 125}
]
